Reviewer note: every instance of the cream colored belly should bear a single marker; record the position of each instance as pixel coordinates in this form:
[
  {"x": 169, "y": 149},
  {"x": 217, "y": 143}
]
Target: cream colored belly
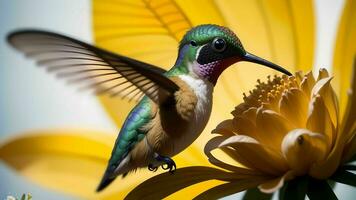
[
  {"x": 203, "y": 90},
  {"x": 193, "y": 131}
]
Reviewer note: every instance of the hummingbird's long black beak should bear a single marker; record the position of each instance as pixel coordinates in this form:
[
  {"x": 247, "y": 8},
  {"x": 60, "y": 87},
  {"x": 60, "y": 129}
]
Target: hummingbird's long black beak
[{"x": 255, "y": 59}]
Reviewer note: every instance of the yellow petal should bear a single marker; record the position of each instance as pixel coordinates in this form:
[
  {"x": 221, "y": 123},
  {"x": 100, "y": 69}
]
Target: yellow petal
[
  {"x": 323, "y": 73},
  {"x": 251, "y": 154},
  {"x": 349, "y": 118},
  {"x": 73, "y": 161},
  {"x": 225, "y": 128},
  {"x": 294, "y": 106},
  {"x": 345, "y": 85},
  {"x": 123, "y": 26},
  {"x": 271, "y": 128},
  {"x": 307, "y": 83},
  {"x": 213, "y": 144},
  {"x": 324, "y": 89},
  {"x": 60, "y": 160},
  {"x": 283, "y": 45},
  {"x": 302, "y": 14},
  {"x": 301, "y": 148},
  {"x": 248, "y": 113},
  {"x": 244, "y": 126},
  {"x": 275, "y": 184},
  {"x": 344, "y": 53},
  {"x": 299, "y": 75},
  {"x": 319, "y": 120},
  {"x": 350, "y": 147}
]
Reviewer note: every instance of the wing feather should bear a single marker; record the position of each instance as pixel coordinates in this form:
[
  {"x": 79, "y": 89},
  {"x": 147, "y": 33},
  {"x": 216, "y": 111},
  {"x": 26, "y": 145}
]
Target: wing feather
[{"x": 95, "y": 68}]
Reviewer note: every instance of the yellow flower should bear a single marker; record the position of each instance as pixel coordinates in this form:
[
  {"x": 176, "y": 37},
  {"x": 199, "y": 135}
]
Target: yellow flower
[{"x": 286, "y": 127}]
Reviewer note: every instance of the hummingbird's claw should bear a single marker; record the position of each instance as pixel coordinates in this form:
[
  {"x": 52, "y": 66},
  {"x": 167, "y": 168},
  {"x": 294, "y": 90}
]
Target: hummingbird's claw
[
  {"x": 152, "y": 168},
  {"x": 168, "y": 163},
  {"x": 165, "y": 162}
]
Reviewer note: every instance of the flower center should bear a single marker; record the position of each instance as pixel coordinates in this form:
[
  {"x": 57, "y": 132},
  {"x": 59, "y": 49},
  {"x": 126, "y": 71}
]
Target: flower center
[{"x": 267, "y": 93}]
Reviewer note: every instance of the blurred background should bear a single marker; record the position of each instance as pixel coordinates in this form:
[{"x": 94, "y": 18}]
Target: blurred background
[{"x": 33, "y": 100}]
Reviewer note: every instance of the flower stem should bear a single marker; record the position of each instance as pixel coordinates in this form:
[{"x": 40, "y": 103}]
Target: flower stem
[
  {"x": 294, "y": 189},
  {"x": 320, "y": 189}
]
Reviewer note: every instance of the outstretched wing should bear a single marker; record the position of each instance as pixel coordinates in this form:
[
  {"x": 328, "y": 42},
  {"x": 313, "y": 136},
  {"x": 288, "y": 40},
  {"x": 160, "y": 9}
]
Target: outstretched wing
[{"x": 105, "y": 72}]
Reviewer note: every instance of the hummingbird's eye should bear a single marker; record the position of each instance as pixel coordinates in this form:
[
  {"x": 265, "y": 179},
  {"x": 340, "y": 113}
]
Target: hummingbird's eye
[
  {"x": 219, "y": 44},
  {"x": 193, "y": 43}
]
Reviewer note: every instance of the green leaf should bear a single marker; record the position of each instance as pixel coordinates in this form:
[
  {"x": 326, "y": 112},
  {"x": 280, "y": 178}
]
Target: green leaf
[
  {"x": 294, "y": 189},
  {"x": 282, "y": 191},
  {"x": 331, "y": 183},
  {"x": 230, "y": 188},
  {"x": 255, "y": 193},
  {"x": 23, "y": 197},
  {"x": 320, "y": 189},
  {"x": 163, "y": 185},
  {"x": 345, "y": 177},
  {"x": 349, "y": 167},
  {"x": 352, "y": 159}
]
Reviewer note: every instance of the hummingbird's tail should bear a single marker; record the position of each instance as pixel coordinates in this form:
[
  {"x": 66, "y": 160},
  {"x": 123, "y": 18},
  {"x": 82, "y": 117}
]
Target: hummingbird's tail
[
  {"x": 112, "y": 172},
  {"x": 105, "y": 181}
]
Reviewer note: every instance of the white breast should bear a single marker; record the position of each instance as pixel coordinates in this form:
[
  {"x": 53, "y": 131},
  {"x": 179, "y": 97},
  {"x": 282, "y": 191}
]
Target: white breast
[{"x": 203, "y": 89}]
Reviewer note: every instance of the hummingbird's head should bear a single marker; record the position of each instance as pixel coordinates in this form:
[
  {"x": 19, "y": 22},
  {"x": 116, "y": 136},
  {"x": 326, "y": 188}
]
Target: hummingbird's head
[{"x": 207, "y": 50}]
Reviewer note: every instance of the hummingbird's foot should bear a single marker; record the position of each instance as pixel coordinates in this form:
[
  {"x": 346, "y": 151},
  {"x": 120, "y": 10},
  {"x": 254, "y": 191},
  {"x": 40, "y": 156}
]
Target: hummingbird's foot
[
  {"x": 152, "y": 168},
  {"x": 168, "y": 163}
]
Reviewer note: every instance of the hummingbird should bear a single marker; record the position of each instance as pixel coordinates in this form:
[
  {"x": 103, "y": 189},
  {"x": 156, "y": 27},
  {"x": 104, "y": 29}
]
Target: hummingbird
[{"x": 173, "y": 107}]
